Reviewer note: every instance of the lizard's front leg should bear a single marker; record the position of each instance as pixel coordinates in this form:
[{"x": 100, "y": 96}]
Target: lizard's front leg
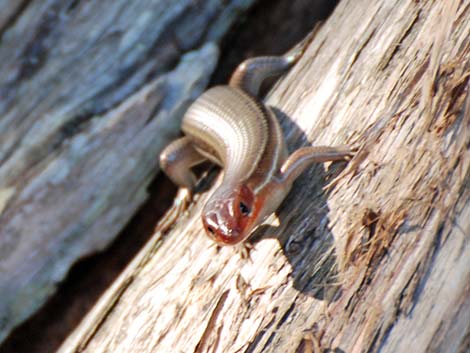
[
  {"x": 293, "y": 166},
  {"x": 176, "y": 160},
  {"x": 302, "y": 158}
]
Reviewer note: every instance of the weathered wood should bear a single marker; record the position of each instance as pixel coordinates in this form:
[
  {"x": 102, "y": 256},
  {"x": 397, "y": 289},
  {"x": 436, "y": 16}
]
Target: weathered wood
[
  {"x": 89, "y": 94},
  {"x": 379, "y": 262}
]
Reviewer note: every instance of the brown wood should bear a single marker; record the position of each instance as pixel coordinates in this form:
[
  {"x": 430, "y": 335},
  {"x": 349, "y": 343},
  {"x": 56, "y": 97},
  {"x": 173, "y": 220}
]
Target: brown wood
[
  {"x": 379, "y": 261},
  {"x": 90, "y": 92}
]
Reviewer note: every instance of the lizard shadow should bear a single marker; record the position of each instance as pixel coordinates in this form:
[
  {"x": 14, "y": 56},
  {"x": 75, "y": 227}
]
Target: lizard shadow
[{"x": 303, "y": 230}]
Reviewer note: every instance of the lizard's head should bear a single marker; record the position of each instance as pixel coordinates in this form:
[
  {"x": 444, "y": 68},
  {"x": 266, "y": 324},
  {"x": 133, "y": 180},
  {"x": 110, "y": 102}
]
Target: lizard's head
[{"x": 229, "y": 216}]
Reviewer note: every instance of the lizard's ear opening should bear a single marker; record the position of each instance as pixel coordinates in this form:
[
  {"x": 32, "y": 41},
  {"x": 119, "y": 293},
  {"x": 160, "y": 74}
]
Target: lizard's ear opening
[{"x": 245, "y": 199}]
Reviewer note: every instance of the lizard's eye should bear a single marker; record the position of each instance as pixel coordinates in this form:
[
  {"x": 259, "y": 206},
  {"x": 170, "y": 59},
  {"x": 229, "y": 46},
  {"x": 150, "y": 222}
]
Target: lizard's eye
[
  {"x": 244, "y": 209},
  {"x": 210, "y": 229}
]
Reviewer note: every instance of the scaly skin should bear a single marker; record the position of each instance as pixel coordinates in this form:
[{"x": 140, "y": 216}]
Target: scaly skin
[{"x": 231, "y": 127}]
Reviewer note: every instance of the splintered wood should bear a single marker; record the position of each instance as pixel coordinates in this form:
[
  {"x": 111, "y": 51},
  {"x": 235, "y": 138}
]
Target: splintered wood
[{"x": 377, "y": 261}]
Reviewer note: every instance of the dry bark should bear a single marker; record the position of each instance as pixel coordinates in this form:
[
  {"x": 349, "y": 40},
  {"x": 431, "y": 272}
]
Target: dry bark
[
  {"x": 379, "y": 261},
  {"x": 90, "y": 92}
]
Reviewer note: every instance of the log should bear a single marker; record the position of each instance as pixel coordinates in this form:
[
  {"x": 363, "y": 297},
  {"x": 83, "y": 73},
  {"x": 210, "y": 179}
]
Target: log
[
  {"x": 376, "y": 261},
  {"x": 368, "y": 257},
  {"x": 90, "y": 92}
]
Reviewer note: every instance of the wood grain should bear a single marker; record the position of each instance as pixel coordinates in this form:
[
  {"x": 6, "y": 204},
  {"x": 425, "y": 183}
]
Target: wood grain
[
  {"x": 90, "y": 92},
  {"x": 368, "y": 257}
]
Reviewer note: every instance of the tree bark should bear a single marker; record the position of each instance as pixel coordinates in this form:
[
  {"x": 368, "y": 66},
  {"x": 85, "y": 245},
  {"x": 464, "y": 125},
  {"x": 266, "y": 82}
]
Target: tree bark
[
  {"x": 369, "y": 256},
  {"x": 90, "y": 92}
]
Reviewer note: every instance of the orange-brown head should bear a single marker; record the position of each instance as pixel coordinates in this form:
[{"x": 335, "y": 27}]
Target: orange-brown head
[{"x": 229, "y": 216}]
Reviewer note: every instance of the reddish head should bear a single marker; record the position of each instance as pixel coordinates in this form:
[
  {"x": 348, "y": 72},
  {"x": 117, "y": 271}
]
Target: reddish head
[{"x": 229, "y": 216}]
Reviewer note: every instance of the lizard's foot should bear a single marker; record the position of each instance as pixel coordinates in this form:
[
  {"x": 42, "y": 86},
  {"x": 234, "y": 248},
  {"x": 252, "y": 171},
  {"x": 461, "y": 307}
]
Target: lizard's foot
[{"x": 180, "y": 206}]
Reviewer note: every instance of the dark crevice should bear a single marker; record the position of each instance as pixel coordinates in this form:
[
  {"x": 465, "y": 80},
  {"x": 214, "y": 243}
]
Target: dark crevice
[
  {"x": 71, "y": 128},
  {"x": 73, "y": 5},
  {"x": 36, "y": 51},
  {"x": 422, "y": 273},
  {"x": 285, "y": 316},
  {"x": 12, "y": 19},
  {"x": 270, "y": 28},
  {"x": 375, "y": 340},
  {"x": 400, "y": 43},
  {"x": 358, "y": 51},
  {"x": 278, "y": 325},
  {"x": 255, "y": 342},
  {"x": 427, "y": 267}
]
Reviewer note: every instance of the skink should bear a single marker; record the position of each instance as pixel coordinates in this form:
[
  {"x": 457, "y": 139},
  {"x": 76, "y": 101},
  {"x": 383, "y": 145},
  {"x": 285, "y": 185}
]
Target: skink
[{"x": 230, "y": 126}]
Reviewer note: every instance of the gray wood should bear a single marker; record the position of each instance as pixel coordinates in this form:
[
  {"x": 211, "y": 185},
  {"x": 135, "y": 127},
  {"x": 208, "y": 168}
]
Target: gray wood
[
  {"x": 90, "y": 92},
  {"x": 378, "y": 262}
]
